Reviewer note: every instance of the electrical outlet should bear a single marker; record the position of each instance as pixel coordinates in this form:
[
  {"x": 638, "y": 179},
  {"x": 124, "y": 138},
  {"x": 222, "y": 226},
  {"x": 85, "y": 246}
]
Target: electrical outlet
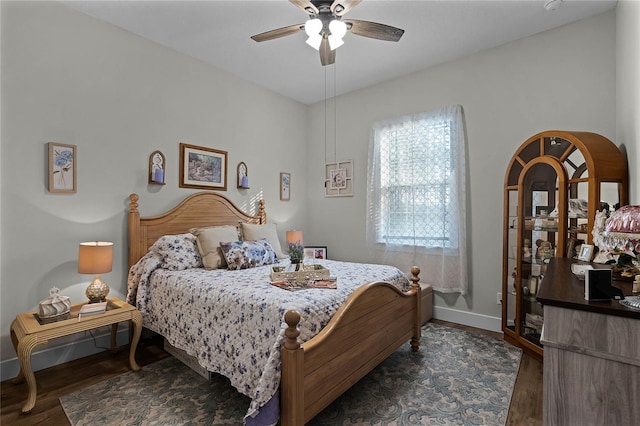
[{"x": 499, "y": 299}]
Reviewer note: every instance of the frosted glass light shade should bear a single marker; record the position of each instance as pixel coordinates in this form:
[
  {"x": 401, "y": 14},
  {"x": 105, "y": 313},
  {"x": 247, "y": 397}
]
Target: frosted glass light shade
[
  {"x": 313, "y": 27},
  {"x": 338, "y": 29},
  {"x": 315, "y": 41}
]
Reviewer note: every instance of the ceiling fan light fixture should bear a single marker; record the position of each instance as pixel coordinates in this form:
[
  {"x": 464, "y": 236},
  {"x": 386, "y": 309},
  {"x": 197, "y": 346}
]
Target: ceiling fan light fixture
[
  {"x": 313, "y": 27},
  {"x": 335, "y": 42},
  {"x": 338, "y": 29},
  {"x": 315, "y": 41}
]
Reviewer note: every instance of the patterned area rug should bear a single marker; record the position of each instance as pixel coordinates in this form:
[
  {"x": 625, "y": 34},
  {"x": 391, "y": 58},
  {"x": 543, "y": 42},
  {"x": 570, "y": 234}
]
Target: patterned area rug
[{"x": 457, "y": 378}]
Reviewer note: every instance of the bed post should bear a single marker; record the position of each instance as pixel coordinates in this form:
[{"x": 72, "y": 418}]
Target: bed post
[
  {"x": 415, "y": 286},
  {"x": 134, "y": 230},
  {"x": 292, "y": 380},
  {"x": 261, "y": 213}
]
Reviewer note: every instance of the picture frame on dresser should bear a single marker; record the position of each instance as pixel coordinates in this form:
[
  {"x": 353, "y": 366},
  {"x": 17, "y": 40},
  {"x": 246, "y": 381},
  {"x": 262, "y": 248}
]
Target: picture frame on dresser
[
  {"x": 315, "y": 252},
  {"x": 202, "y": 167},
  {"x": 63, "y": 163},
  {"x": 586, "y": 252}
]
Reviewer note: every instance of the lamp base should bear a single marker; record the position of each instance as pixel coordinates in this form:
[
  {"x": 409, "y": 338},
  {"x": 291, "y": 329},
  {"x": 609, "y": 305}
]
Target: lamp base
[{"x": 97, "y": 291}]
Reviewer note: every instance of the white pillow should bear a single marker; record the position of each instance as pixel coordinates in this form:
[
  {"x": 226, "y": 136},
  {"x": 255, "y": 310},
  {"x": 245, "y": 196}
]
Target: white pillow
[
  {"x": 208, "y": 242},
  {"x": 254, "y": 232}
]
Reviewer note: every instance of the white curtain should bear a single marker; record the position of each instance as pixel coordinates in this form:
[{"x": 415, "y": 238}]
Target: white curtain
[{"x": 416, "y": 196}]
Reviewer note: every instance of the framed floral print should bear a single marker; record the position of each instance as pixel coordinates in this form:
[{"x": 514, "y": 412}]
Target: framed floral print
[
  {"x": 202, "y": 168},
  {"x": 285, "y": 186},
  {"x": 62, "y": 168}
]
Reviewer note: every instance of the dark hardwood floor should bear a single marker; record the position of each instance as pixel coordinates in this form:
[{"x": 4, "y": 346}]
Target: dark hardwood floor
[{"x": 525, "y": 408}]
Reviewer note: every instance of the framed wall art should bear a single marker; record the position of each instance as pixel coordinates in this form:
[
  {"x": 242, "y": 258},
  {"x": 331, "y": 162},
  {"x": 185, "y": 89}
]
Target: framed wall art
[
  {"x": 63, "y": 162},
  {"x": 339, "y": 179},
  {"x": 315, "y": 252},
  {"x": 285, "y": 186},
  {"x": 202, "y": 168}
]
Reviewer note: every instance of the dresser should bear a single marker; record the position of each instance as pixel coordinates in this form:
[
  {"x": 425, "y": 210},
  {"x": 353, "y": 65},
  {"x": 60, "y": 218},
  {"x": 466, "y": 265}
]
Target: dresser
[{"x": 591, "y": 353}]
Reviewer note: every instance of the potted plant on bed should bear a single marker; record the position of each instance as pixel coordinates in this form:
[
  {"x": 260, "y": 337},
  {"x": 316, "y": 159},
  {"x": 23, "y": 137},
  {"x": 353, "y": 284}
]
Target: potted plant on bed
[{"x": 296, "y": 254}]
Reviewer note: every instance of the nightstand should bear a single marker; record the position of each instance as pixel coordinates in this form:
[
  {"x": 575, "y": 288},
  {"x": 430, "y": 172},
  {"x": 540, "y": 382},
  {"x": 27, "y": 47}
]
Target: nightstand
[{"x": 29, "y": 331}]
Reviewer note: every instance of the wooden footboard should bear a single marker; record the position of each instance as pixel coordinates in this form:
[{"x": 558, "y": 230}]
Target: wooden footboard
[{"x": 374, "y": 322}]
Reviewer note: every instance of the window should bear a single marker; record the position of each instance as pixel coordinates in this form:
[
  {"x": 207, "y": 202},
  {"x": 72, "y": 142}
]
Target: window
[
  {"x": 416, "y": 163},
  {"x": 416, "y": 197}
]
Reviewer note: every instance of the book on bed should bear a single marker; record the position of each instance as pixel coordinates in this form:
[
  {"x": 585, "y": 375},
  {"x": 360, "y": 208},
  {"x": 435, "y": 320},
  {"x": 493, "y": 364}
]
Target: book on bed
[{"x": 293, "y": 285}]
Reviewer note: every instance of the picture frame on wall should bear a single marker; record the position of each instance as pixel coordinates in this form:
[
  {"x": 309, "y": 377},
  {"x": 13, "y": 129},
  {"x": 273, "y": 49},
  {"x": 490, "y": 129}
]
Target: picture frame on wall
[
  {"x": 202, "y": 168},
  {"x": 285, "y": 186},
  {"x": 63, "y": 163},
  {"x": 315, "y": 252},
  {"x": 339, "y": 179}
]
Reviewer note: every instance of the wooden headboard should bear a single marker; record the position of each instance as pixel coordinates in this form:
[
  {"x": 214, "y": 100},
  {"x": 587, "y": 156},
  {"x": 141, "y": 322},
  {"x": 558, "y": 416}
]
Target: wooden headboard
[{"x": 196, "y": 211}]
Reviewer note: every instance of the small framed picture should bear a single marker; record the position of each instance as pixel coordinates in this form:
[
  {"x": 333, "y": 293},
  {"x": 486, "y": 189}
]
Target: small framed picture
[
  {"x": 285, "y": 186},
  {"x": 202, "y": 168},
  {"x": 339, "y": 179},
  {"x": 315, "y": 252},
  {"x": 586, "y": 252},
  {"x": 62, "y": 168}
]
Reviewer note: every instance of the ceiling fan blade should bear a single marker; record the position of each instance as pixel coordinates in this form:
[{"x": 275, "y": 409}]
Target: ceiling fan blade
[
  {"x": 340, "y": 7},
  {"x": 280, "y": 32},
  {"x": 374, "y": 30},
  {"x": 306, "y": 5},
  {"x": 327, "y": 56}
]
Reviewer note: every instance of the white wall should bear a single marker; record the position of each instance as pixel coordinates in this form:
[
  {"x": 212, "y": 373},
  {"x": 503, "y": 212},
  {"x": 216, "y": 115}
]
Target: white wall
[
  {"x": 628, "y": 88},
  {"x": 69, "y": 78},
  {"x": 560, "y": 79}
]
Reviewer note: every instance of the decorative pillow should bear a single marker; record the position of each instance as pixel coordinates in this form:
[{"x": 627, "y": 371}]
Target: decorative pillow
[
  {"x": 248, "y": 254},
  {"x": 208, "y": 242},
  {"x": 254, "y": 232},
  {"x": 177, "y": 252}
]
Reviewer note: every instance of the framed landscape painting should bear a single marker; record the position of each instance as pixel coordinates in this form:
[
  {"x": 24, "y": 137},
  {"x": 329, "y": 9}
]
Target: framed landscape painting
[
  {"x": 62, "y": 168},
  {"x": 202, "y": 168}
]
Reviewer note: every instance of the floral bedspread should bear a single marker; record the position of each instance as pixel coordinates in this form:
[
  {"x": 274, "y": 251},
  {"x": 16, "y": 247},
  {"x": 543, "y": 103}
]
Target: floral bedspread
[{"x": 232, "y": 321}]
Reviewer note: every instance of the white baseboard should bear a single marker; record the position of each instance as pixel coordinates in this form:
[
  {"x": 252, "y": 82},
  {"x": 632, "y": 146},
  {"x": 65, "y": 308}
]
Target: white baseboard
[
  {"x": 484, "y": 322},
  {"x": 60, "y": 354}
]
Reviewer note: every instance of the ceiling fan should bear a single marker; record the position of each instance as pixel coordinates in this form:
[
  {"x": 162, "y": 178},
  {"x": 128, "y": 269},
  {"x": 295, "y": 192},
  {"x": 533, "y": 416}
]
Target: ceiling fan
[{"x": 325, "y": 27}]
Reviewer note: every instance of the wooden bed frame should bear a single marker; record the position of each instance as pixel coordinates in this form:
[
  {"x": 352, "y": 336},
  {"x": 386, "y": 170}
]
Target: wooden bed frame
[{"x": 372, "y": 323}]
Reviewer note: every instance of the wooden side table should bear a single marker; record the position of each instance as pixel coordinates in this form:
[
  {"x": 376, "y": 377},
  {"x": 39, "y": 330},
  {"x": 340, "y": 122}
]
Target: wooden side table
[{"x": 28, "y": 331}]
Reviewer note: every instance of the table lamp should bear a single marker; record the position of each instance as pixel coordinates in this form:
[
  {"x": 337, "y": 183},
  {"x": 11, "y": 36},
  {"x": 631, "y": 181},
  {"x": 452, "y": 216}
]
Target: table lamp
[
  {"x": 294, "y": 237},
  {"x": 96, "y": 257}
]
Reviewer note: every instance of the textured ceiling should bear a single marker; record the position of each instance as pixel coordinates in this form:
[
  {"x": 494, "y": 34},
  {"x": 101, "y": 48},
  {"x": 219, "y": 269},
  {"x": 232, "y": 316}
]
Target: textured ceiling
[{"x": 218, "y": 33}]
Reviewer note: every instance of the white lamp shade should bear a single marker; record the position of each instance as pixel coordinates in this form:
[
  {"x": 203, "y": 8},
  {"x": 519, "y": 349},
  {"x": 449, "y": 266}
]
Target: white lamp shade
[
  {"x": 95, "y": 257},
  {"x": 294, "y": 237}
]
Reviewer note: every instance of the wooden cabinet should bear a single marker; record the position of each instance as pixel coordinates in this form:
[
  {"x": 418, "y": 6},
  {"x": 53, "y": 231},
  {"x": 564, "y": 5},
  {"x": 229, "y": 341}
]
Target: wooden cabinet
[
  {"x": 554, "y": 184},
  {"x": 591, "y": 353}
]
